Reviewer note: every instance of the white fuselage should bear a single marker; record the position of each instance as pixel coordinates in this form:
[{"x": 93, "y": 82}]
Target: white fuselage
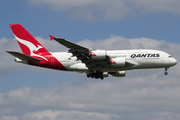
[{"x": 140, "y": 59}]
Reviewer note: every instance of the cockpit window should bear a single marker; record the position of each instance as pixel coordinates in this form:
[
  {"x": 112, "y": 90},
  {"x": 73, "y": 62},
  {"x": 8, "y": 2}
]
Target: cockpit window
[{"x": 170, "y": 56}]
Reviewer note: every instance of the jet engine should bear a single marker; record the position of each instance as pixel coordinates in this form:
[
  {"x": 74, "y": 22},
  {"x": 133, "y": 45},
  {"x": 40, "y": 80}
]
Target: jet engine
[
  {"x": 118, "y": 73},
  {"x": 118, "y": 62},
  {"x": 98, "y": 54}
]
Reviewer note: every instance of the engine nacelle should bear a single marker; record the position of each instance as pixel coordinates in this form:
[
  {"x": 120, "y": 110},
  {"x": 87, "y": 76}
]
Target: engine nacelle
[
  {"x": 118, "y": 73},
  {"x": 98, "y": 54},
  {"x": 118, "y": 62}
]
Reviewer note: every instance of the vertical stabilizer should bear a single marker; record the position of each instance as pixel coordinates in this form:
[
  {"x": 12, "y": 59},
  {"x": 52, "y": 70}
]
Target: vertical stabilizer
[{"x": 29, "y": 45}]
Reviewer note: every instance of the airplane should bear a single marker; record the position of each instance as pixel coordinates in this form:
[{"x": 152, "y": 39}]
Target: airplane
[{"x": 95, "y": 63}]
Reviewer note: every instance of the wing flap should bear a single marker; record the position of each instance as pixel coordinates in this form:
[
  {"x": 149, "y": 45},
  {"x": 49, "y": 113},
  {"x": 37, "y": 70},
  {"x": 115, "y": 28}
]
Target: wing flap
[{"x": 23, "y": 56}]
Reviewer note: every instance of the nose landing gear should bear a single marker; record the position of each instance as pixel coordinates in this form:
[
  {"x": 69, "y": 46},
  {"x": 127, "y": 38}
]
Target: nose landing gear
[{"x": 166, "y": 73}]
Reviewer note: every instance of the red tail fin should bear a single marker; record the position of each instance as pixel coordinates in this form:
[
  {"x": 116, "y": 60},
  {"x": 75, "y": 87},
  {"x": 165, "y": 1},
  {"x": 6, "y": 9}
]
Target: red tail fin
[{"x": 29, "y": 45}]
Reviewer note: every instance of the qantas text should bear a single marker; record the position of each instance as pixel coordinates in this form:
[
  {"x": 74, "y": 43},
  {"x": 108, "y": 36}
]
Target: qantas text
[{"x": 144, "y": 55}]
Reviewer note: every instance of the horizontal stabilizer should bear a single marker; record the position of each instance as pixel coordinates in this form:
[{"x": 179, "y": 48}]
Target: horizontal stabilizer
[{"x": 23, "y": 56}]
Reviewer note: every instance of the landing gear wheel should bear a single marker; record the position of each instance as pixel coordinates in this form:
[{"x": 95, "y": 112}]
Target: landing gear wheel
[
  {"x": 166, "y": 73},
  {"x": 88, "y": 76},
  {"x": 92, "y": 75}
]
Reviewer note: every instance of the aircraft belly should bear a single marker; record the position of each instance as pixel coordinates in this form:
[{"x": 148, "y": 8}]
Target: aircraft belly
[{"x": 151, "y": 63}]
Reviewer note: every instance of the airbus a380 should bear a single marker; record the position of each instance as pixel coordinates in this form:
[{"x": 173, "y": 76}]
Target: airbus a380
[{"x": 95, "y": 63}]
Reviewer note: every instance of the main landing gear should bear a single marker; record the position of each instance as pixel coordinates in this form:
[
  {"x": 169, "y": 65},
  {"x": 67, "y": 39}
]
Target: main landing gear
[
  {"x": 166, "y": 73},
  {"x": 95, "y": 75}
]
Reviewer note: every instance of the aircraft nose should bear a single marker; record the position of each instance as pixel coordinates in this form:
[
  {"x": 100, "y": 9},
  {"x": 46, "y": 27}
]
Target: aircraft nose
[{"x": 173, "y": 61}]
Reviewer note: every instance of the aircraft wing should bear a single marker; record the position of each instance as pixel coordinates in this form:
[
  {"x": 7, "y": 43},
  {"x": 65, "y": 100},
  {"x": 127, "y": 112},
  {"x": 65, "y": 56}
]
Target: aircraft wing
[
  {"x": 23, "y": 56},
  {"x": 69, "y": 44},
  {"x": 82, "y": 53}
]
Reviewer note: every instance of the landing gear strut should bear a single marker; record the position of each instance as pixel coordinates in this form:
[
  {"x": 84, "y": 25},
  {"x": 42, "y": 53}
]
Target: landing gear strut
[{"x": 166, "y": 73}]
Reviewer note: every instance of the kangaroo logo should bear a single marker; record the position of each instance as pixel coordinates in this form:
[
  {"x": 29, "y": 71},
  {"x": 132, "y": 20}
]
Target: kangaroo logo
[
  {"x": 31, "y": 47},
  {"x": 37, "y": 48}
]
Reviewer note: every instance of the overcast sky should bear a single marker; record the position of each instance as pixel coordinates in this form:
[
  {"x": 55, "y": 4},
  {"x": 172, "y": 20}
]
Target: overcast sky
[{"x": 32, "y": 93}]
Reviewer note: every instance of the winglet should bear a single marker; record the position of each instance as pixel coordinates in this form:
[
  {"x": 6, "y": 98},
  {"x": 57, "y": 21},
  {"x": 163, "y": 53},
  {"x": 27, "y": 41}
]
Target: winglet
[{"x": 51, "y": 37}]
